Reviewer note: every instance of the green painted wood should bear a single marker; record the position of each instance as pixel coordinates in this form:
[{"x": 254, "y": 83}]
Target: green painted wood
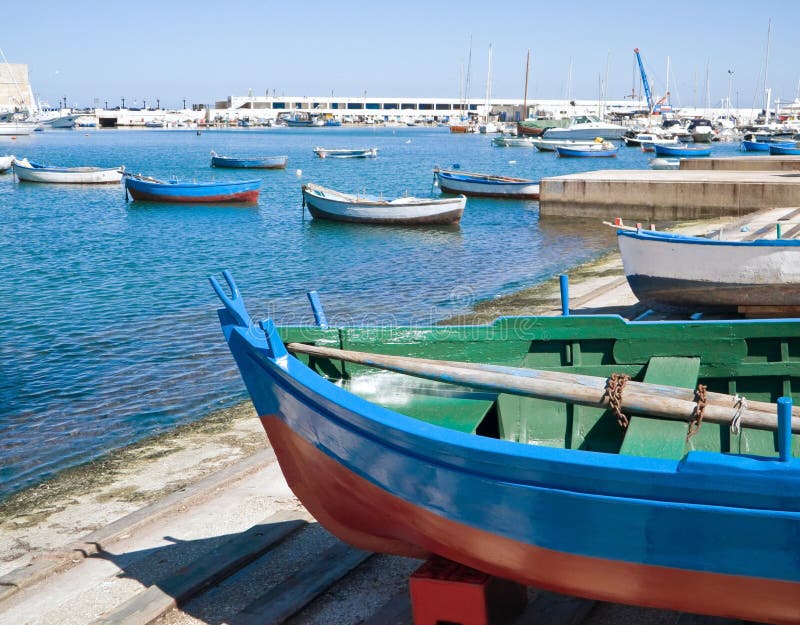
[
  {"x": 760, "y": 360},
  {"x": 657, "y": 438}
]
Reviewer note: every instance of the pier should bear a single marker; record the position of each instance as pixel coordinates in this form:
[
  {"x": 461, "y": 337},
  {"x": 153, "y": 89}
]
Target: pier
[{"x": 689, "y": 193}]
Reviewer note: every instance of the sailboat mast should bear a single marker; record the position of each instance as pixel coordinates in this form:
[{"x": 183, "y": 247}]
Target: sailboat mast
[
  {"x": 767, "y": 92},
  {"x": 488, "y": 84},
  {"x": 525, "y": 99}
]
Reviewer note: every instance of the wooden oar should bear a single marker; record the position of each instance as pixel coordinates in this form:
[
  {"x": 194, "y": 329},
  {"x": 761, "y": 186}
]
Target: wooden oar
[{"x": 637, "y": 398}]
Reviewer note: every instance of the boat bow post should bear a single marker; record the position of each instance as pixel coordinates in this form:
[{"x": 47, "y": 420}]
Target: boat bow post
[{"x": 234, "y": 305}]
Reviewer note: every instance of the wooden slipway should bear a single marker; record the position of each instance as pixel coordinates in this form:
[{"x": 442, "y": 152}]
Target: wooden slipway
[{"x": 667, "y": 195}]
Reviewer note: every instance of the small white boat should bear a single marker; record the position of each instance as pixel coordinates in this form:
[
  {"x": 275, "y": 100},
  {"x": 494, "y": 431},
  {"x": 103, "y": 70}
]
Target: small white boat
[
  {"x": 6, "y": 162},
  {"x": 645, "y": 140},
  {"x": 513, "y": 142},
  {"x": 486, "y": 185},
  {"x": 14, "y": 128},
  {"x": 550, "y": 145},
  {"x": 685, "y": 270},
  {"x": 34, "y": 172},
  {"x": 325, "y": 203},
  {"x": 346, "y": 153}
]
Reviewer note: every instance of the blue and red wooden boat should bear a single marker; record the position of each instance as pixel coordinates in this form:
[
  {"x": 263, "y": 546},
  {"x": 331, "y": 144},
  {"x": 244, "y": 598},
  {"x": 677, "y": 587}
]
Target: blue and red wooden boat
[
  {"x": 515, "y": 474},
  {"x": 152, "y": 190}
]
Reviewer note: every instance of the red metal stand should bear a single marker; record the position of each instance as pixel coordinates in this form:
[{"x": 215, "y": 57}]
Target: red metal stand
[{"x": 443, "y": 591}]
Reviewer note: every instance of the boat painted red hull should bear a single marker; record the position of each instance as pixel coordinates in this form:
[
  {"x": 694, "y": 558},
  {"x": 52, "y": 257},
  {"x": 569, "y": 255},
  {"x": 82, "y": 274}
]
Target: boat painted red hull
[
  {"x": 244, "y": 197},
  {"x": 372, "y": 519}
]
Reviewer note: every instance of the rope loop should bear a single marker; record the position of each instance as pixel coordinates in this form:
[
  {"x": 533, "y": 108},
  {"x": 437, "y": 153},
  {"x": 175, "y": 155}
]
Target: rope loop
[
  {"x": 740, "y": 404},
  {"x": 697, "y": 413},
  {"x": 614, "y": 387}
]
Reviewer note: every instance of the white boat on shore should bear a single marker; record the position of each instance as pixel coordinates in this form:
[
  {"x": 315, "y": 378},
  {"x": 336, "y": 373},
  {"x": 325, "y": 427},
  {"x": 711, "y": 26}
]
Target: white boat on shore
[
  {"x": 325, "y": 203},
  {"x": 34, "y": 172},
  {"x": 686, "y": 270},
  {"x": 586, "y": 127},
  {"x": 486, "y": 185}
]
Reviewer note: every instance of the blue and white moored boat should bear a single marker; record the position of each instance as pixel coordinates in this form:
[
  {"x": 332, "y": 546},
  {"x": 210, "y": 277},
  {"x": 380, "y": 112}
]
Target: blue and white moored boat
[
  {"x": 485, "y": 185},
  {"x": 346, "y": 152},
  {"x": 693, "y": 271},
  {"x": 598, "y": 148},
  {"x": 784, "y": 149},
  {"x": 680, "y": 151},
  {"x": 262, "y": 162}
]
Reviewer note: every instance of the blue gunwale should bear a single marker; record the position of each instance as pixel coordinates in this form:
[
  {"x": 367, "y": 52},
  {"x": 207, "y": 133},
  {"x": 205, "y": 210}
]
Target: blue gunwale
[
  {"x": 650, "y": 235},
  {"x": 483, "y": 179}
]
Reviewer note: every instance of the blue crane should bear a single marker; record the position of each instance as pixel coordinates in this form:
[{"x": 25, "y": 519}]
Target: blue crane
[{"x": 645, "y": 84}]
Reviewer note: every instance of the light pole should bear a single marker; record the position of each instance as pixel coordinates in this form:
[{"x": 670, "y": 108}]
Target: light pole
[{"x": 730, "y": 87}]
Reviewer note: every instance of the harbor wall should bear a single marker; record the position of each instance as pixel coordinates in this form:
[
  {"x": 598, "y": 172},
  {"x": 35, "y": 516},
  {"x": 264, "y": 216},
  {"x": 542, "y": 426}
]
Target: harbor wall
[
  {"x": 665, "y": 195},
  {"x": 742, "y": 163}
]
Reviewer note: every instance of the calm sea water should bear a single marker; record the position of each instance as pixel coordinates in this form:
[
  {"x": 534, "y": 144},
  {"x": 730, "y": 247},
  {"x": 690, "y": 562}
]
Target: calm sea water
[{"x": 108, "y": 330}]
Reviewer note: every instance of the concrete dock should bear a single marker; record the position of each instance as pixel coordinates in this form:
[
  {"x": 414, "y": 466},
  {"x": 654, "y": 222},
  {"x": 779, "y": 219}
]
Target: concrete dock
[{"x": 702, "y": 189}]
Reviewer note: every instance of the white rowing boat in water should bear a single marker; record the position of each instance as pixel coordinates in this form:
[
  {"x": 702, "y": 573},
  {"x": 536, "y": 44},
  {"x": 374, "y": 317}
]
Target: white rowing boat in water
[
  {"x": 34, "y": 172},
  {"x": 486, "y": 185},
  {"x": 325, "y": 203}
]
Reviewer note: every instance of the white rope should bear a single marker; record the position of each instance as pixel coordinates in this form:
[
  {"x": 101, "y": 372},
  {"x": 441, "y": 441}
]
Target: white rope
[{"x": 740, "y": 403}]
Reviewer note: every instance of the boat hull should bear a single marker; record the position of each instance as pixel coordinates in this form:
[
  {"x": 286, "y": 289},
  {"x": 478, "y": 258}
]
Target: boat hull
[
  {"x": 244, "y": 192},
  {"x": 385, "y": 482},
  {"x": 755, "y": 146},
  {"x": 6, "y": 162},
  {"x": 563, "y": 150},
  {"x": 67, "y": 175},
  {"x": 668, "y": 150},
  {"x": 583, "y": 134},
  {"x": 373, "y": 519},
  {"x": 270, "y": 162},
  {"x": 690, "y": 271},
  {"x": 340, "y": 207},
  {"x": 475, "y": 186},
  {"x": 782, "y": 150},
  {"x": 334, "y": 153}
]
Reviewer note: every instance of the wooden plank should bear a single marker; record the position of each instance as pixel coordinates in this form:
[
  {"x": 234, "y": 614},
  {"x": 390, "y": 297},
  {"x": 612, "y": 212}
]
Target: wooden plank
[
  {"x": 701, "y": 619},
  {"x": 655, "y": 437},
  {"x": 294, "y": 593},
  {"x": 207, "y": 570},
  {"x": 551, "y": 608},
  {"x": 396, "y": 611}
]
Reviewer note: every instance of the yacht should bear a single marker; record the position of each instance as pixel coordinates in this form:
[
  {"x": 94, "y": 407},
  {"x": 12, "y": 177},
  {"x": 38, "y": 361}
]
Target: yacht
[{"x": 586, "y": 127}]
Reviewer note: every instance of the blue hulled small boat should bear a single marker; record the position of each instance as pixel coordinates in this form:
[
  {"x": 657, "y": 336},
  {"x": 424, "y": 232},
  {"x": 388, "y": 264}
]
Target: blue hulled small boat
[
  {"x": 755, "y": 146},
  {"x": 681, "y": 151},
  {"x": 153, "y": 190},
  {"x": 606, "y": 148},
  {"x": 784, "y": 149},
  {"x": 263, "y": 162}
]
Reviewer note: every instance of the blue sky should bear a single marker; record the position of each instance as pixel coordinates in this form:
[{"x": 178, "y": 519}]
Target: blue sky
[{"x": 92, "y": 52}]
